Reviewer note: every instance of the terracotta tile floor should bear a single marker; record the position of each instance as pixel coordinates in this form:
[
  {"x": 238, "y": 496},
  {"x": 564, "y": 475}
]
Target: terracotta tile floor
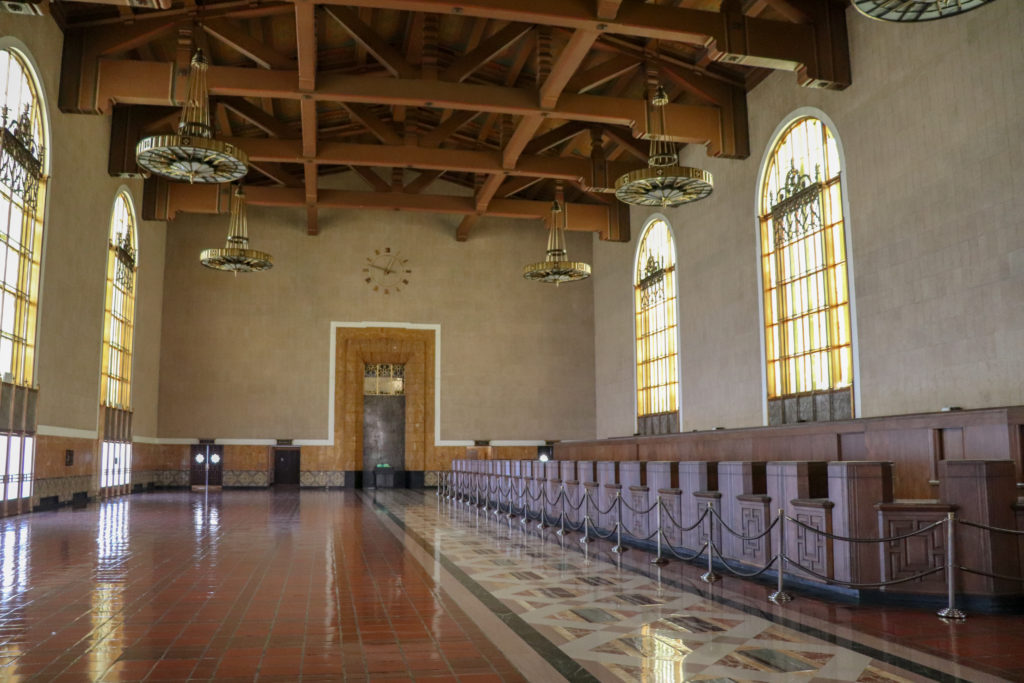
[
  {"x": 289, "y": 586},
  {"x": 248, "y": 585}
]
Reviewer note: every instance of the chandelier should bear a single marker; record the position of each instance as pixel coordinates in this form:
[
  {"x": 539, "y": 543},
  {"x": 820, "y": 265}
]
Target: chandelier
[
  {"x": 236, "y": 256},
  {"x": 664, "y": 182},
  {"x": 907, "y": 11},
  {"x": 556, "y": 268},
  {"x": 193, "y": 154}
]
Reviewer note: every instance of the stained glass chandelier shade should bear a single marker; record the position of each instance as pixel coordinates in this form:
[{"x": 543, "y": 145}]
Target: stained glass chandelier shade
[
  {"x": 664, "y": 182},
  {"x": 236, "y": 256},
  {"x": 557, "y": 268},
  {"x": 193, "y": 154},
  {"x": 908, "y": 11}
]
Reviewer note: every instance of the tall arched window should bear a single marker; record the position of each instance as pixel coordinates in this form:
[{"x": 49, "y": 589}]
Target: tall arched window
[
  {"x": 22, "y": 202},
  {"x": 118, "y": 333},
  {"x": 808, "y": 337},
  {"x": 119, "y": 312},
  {"x": 654, "y": 284}
]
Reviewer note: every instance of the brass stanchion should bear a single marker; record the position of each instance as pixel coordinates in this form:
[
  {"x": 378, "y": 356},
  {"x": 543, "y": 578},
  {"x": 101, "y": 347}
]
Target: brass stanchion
[
  {"x": 710, "y": 576},
  {"x": 511, "y": 515},
  {"x": 780, "y": 596},
  {"x": 561, "y": 516},
  {"x": 950, "y": 611},
  {"x": 542, "y": 508},
  {"x": 586, "y": 518},
  {"x": 659, "y": 560},
  {"x": 619, "y": 548}
]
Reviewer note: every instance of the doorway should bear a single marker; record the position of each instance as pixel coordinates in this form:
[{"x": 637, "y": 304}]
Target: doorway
[
  {"x": 384, "y": 425},
  {"x": 207, "y": 465},
  {"x": 286, "y": 467}
]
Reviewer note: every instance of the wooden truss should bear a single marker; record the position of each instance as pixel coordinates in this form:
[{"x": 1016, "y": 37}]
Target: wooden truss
[{"x": 502, "y": 97}]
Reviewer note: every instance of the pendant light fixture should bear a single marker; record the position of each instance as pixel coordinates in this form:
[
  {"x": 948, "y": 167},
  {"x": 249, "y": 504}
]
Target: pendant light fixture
[
  {"x": 236, "y": 256},
  {"x": 664, "y": 182},
  {"x": 910, "y": 11},
  {"x": 556, "y": 268},
  {"x": 193, "y": 154}
]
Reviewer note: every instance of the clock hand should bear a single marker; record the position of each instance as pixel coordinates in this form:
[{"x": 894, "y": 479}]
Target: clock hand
[{"x": 386, "y": 271}]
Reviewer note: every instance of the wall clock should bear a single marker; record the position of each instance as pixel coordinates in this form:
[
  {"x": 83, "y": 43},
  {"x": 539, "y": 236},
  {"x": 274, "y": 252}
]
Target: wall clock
[{"x": 386, "y": 271}]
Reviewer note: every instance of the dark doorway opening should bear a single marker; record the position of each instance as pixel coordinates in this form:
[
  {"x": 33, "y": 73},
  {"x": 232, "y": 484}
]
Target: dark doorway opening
[
  {"x": 286, "y": 467},
  {"x": 384, "y": 441}
]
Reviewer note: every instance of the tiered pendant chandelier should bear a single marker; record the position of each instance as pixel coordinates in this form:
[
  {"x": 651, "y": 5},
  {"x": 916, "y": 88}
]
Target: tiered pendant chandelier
[
  {"x": 664, "y": 182},
  {"x": 193, "y": 154},
  {"x": 909, "y": 11},
  {"x": 556, "y": 268},
  {"x": 236, "y": 256}
]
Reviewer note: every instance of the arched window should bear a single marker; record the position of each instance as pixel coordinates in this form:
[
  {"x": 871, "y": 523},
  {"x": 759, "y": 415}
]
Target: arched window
[
  {"x": 808, "y": 337},
  {"x": 22, "y": 203},
  {"x": 118, "y": 333},
  {"x": 654, "y": 284},
  {"x": 119, "y": 312}
]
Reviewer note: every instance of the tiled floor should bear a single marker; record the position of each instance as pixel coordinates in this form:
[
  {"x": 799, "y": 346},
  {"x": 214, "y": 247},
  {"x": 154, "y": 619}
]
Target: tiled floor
[{"x": 317, "y": 585}]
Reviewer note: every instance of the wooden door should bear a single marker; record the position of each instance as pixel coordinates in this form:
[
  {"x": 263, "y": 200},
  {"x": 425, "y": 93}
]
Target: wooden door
[
  {"x": 207, "y": 465},
  {"x": 286, "y": 466}
]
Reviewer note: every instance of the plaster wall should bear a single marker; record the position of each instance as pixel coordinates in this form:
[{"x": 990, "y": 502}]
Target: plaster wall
[
  {"x": 79, "y": 204},
  {"x": 935, "y": 181},
  {"x": 247, "y": 357}
]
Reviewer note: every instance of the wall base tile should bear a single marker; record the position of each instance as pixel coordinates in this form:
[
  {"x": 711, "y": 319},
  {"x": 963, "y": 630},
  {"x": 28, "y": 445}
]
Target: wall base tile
[
  {"x": 325, "y": 479},
  {"x": 62, "y": 487},
  {"x": 246, "y": 479},
  {"x": 170, "y": 478}
]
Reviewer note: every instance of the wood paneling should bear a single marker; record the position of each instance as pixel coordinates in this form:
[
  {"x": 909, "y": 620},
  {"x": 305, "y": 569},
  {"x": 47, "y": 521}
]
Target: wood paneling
[{"x": 913, "y": 443}]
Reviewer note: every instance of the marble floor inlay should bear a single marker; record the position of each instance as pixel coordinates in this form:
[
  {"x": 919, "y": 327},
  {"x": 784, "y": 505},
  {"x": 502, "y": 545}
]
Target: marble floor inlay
[{"x": 635, "y": 625}]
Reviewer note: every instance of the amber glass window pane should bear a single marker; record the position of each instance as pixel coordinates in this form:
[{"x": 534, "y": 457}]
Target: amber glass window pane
[
  {"x": 656, "y": 321},
  {"x": 119, "y": 311},
  {"x": 807, "y": 325}
]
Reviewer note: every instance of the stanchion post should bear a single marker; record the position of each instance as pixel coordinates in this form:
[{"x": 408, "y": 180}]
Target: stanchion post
[
  {"x": 542, "y": 508},
  {"x": 619, "y": 548},
  {"x": 950, "y": 611},
  {"x": 780, "y": 596},
  {"x": 561, "y": 516},
  {"x": 710, "y": 576},
  {"x": 526, "y": 503},
  {"x": 586, "y": 518},
  {"x": 659, "y": 560},
  {"x": 511, "y": 514}
]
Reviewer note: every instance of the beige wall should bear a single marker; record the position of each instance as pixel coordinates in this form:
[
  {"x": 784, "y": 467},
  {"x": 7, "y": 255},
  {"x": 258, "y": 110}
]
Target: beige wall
[
  {"x": 935, "y": 176},
  {"x": 79, "y": 205},
  {"x": 247, "y": 357}
]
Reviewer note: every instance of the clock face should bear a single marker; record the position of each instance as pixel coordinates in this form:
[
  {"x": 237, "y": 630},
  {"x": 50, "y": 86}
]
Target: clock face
[
  {"x": 386, "y": 271},
  {"x": 915, "y": 10}
]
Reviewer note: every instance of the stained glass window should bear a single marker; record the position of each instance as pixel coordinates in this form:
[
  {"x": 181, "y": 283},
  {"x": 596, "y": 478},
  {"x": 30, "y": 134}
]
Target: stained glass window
[
  {"x": 808, "y": 340},
  {"x": 654, "y": 286},
  {"x": 22, "y": 190},
  {"x": 119, "y": 312}
]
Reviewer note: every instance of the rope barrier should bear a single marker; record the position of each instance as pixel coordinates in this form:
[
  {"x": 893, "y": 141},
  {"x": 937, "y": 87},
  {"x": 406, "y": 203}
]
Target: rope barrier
[
  {"x": 467, "y": 486},
  {"x": 887, "y": 539}
]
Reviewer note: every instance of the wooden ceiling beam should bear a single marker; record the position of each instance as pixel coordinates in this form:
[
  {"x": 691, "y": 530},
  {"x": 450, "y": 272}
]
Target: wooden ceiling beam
[
  {"x": 270, "y": 125},
  {"x": 569, "y": 60},
  {"x": 730, "y": 36},
  {"x": 607, "y": 9},
  {"x": 164, "y": 200},
  {"x": 277, "y": 173},
  {"x": 447, "y": 128},
  {"x": 238, "y": 40},
  {"x": 134, "y": 82},
  {"x": 517, "y": 184},
  {"x": 421, "y": 182},
  {"x": 487, "y": 50},
  {"x": 376, "y": 183},
  {"x": 628, "y": 143},
  {"x": 305, "y": 38},
  {"x": 380, "y": 129},
  {"x": 371, "y": 41},
  {"x": 469, "y": 221},
  {"x": 554, "y": 137},
  {"x": 607, "y": 70}
]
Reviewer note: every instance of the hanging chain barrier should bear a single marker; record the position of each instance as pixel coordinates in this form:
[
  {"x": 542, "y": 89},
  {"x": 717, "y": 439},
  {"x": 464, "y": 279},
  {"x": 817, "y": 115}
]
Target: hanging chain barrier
[{"x": 528, "y": 502}]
